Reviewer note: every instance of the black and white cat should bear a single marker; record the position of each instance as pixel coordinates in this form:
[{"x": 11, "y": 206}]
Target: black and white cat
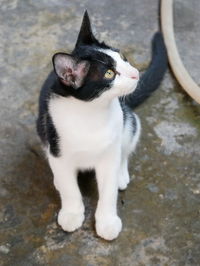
[{"x": 85, "y": 123}]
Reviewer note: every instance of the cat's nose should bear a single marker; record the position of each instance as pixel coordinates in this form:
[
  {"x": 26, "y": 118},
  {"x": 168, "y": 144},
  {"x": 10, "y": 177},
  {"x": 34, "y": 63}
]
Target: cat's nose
[{"x": 135, "y": 75}]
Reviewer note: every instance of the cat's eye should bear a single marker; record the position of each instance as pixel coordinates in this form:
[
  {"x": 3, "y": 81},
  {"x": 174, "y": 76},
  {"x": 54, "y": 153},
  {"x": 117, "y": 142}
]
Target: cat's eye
[{"x": 109, "y": 74}]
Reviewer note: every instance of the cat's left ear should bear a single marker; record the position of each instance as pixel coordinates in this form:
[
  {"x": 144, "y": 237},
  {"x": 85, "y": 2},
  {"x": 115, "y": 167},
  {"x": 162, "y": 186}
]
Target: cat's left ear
[
  {"x": 86, "y": 36},
  {"x": 70, "y": 71}
]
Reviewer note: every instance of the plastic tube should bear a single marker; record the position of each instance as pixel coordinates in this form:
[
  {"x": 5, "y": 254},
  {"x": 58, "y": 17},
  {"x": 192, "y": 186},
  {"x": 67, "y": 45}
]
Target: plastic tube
[{"x": 181, "y": 74}]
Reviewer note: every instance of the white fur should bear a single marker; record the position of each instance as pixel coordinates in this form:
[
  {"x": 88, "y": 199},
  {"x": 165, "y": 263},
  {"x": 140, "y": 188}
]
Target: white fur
[
  {"x": 123, "y": 67},
  {"x": 92, "y": 135}
]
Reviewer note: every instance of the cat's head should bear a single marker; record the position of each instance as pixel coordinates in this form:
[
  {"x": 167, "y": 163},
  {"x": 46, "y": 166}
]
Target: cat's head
[{"x": 94, "y": 69}]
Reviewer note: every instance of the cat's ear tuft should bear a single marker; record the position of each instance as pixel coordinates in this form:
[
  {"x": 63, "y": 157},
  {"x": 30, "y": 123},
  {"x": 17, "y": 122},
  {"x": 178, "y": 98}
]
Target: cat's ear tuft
[
  {"x": 86, "y": 36},
  {"x": 70, "y": 71}
]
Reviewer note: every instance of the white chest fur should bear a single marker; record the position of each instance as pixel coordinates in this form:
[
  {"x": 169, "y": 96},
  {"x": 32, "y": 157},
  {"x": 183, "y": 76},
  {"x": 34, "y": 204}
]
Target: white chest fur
[{"x": 86, "y": 129}]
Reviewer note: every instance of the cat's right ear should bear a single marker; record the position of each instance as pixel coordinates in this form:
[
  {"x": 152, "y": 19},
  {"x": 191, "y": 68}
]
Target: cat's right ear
[
  {"x": 70, "y": 71},
  {"x": 86, "y": 36}
]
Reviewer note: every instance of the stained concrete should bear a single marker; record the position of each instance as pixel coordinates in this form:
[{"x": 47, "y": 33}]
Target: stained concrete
[{"x": 160, "y": 209}]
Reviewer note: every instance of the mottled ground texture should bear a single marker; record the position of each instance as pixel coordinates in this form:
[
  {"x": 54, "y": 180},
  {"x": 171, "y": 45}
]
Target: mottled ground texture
[{"x": 160, "y": 209}]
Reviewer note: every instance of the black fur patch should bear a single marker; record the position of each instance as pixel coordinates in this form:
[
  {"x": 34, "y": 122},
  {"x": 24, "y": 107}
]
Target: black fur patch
[
  {"x": 94, "y": 83},
  {"x": 125, "y": 110},
  {"x": 134, "y": 123},
  {"x": 45, "y": 127},
  {"x": 128, "y": 114},
  {"x": 87, "y": 49},
  {"x": 43, "y": 106},
  {"x": 52, "y": 137}
]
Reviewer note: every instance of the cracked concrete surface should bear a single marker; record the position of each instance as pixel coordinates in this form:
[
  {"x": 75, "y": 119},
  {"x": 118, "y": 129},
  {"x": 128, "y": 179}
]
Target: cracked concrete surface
[{"x": 160, "y": 209}]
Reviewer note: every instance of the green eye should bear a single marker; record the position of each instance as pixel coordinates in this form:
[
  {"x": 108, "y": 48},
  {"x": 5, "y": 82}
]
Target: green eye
[{"x": 109, "y": 74}]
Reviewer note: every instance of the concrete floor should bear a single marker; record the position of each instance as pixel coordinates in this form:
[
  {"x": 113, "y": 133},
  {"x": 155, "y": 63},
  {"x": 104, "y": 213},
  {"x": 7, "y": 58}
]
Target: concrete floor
[{"x": 160, "y": 209}]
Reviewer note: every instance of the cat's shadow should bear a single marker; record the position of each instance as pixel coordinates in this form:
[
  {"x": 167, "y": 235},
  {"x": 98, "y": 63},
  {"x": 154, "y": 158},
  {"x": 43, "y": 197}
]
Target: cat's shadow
[
  {"x": 87, "y": 183},
  {"x": 31, "y": 202},
  {"x": 30, "y": 187}
]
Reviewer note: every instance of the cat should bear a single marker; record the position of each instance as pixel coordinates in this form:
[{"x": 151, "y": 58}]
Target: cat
[{"x": 86, "y": 122}]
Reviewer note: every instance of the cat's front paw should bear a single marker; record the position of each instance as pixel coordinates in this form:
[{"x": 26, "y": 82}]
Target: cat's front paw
[
  {"x": 108, "y": 227},
  {"x": 70, "y": 221}
]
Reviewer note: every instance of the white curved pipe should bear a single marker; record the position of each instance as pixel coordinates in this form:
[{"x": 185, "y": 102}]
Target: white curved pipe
[{"x": 177, "y": 66}]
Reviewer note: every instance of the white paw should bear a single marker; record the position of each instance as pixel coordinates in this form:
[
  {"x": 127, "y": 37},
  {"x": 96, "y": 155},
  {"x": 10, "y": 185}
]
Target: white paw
[
  {"x": 109, "y": 227},
  {"x": 124, "y": 179},
  {"x": 70, "y": 221}
]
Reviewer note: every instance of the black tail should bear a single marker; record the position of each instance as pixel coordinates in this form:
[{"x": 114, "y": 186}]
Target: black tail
[{"x": 153, "y": 76}]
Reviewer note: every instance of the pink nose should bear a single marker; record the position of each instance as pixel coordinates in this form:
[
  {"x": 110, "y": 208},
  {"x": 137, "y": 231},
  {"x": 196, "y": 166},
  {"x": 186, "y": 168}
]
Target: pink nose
[{"x": 135, "y": 75}]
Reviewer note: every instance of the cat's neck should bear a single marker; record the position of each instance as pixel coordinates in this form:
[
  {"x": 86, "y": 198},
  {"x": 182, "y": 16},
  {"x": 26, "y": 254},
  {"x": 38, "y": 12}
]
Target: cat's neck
[
  {"x": 95, "y": 111},
  {"x": 94, "y": 105}
]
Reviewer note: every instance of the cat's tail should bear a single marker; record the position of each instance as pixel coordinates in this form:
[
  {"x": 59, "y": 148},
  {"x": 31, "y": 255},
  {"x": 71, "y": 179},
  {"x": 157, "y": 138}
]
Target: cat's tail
[{"x": 153, "y": 76}]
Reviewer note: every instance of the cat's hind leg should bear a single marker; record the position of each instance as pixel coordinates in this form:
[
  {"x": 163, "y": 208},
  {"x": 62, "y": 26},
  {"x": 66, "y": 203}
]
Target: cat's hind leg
[
  {"x": 132, "y": 129},
  {"x": 71, "y": 215},
  {"x": 124, "y": 177}
]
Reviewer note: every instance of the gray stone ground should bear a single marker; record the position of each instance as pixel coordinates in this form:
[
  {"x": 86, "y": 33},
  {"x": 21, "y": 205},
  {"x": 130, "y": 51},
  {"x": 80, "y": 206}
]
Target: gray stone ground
[{"x": 160, "y": 209}]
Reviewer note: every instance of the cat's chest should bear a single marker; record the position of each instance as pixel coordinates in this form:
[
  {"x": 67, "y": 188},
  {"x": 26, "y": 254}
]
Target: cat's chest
[{"x": 83, "y": 126}]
